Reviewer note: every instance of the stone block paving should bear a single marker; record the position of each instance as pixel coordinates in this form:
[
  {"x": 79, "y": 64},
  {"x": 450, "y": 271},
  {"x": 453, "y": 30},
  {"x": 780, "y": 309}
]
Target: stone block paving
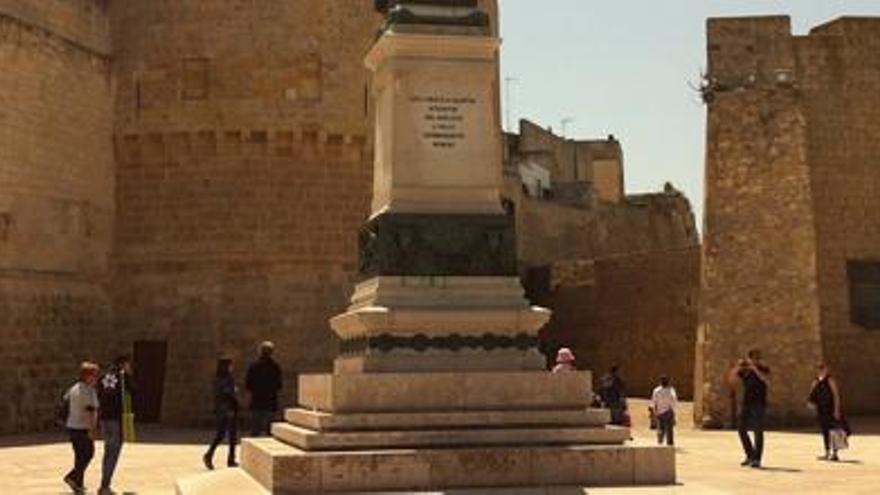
[{"x": 708, "y": 463}]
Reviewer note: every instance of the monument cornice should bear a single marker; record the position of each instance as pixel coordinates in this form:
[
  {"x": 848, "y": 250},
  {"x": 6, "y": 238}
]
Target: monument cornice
[{"x": 426, "y": 46}]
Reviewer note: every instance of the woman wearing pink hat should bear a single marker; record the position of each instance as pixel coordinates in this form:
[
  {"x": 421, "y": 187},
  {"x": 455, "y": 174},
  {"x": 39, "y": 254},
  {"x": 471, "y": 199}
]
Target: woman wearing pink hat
[{"x": 564, "y": 360}]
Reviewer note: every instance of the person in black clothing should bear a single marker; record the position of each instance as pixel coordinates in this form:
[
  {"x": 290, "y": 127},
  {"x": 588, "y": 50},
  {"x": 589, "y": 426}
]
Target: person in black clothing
[
  {"x": 755, "y": 377},
  {"x": 825, "y": 398},
  {"x": 263, "y": 382},
  {"x": 225, "y": 411},
  {"x": 612, "y": 391},
  {"x": 112, "y": 386}
]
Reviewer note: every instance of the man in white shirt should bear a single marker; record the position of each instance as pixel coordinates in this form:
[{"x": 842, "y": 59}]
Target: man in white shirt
[
  {"x": 82, "y": 400},
  {"x": 664, "y": 400}
]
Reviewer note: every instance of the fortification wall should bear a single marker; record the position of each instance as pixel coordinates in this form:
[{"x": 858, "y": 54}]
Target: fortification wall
[
  {"x": 622, "y": 281},
  {"x": 548, "y": 231},
  {"x": 759, "y": 286},
  {"x": 638, "y": 311},
  {"x": 81, "y": 23},
  {"x": 645, "y": 223},
  {"x": 244, "y": 174},
  {"x": 56, "y": 200},
  {"x": 837, "y": 73}
]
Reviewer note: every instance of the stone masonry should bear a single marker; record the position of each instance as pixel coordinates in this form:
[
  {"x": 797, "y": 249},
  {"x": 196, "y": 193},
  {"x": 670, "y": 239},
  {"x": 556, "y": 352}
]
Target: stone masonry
[
  {"x": 620, "y": 272},
  {"x": 243, "y": 175},
  {"x": 56, "y": 199},
  {"x": 791, "y": 203}
]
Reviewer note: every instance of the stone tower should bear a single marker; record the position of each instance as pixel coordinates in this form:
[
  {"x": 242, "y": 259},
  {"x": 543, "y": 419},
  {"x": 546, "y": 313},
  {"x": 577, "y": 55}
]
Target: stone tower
[
  {"x": 791, "y": 260},
  {"x": 56, "y": 199},
  {"x": 838, "y": 71},
  {"x": 759, "y": 259}
]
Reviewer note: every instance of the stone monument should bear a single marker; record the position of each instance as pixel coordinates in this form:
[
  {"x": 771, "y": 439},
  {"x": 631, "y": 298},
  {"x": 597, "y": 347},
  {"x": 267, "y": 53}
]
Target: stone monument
[{"x": 439, "y": 383}]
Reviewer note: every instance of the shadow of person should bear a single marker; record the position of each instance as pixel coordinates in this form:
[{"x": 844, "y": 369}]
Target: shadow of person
[{"x": 777, "y": 469}]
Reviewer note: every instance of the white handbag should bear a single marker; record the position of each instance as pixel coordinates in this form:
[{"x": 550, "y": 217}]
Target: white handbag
[{"x": 839, "y": 440}]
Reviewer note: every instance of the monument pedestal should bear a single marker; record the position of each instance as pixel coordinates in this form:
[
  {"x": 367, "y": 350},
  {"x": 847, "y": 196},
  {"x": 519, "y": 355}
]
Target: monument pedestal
[
  {"x": 284, "y": 469},
  {"x": 440, "y": 431},
  {"x": 437, "y": 324},
  {"x": 439, "y": 383}
]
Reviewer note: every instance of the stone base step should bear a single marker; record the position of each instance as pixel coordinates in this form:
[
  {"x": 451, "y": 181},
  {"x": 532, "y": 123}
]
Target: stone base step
[
  {"x": 445, "y": 391},
  {"x": 323, "y": 421},
  {"x": 309, "y": 440},
  {"x": 281, "y": 468}
]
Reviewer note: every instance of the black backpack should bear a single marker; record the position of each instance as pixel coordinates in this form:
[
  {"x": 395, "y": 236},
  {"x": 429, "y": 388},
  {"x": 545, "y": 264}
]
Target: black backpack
[{"x": 62, "y": 410}]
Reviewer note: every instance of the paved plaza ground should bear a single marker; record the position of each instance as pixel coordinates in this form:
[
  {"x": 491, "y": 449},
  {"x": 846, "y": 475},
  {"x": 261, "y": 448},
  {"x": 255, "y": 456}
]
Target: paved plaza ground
[{"x": 708, "y": 462}]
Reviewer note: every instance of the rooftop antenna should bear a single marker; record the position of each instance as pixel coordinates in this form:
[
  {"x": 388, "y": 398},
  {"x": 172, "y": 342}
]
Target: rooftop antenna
[
  {"x": 507, "y": 82},
  {"x": 565, "y": 122}
]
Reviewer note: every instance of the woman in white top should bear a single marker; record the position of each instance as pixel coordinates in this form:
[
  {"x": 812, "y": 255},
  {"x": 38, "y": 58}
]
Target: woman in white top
[{"x": 664, "y": 400}]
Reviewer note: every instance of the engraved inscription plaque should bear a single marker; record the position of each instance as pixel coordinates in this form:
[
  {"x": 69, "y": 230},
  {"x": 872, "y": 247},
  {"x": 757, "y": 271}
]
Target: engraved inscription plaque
[{"x": 443, "y": 119}]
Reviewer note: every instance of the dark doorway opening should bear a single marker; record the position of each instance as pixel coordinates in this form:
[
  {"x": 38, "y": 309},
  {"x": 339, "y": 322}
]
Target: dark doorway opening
[{"x": 149, "y": 368}]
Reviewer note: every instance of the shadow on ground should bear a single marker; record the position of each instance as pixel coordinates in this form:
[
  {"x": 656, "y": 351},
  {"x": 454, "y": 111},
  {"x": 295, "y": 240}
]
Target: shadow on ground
[
  {"x": 146, "y": 434},
  {"x": 488, "y": 491}
]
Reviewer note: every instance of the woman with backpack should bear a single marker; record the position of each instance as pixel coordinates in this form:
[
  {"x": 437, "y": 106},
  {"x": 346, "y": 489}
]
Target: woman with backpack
[{"x": 225, "y": 411}]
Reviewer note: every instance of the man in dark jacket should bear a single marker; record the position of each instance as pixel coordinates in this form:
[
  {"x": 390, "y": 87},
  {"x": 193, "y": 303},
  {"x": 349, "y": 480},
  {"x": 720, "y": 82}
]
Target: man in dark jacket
[
  {"x": 112, "y": 388},
  {"x": 612, "y": 390},
  {"x": 263, "y": 382}
]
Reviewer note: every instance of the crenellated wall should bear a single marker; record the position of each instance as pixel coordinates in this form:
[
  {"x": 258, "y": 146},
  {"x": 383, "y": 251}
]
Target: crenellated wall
[{"x": 244, "y": 172}]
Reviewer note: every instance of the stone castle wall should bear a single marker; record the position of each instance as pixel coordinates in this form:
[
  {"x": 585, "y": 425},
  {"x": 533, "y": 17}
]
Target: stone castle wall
[
  {"x": 837, "y": 71},
  {"x": 56, "y": 200},
  {"x": 759, "y": 261},
  {"x": 638, "y": 311},
  {"x": 621, "y": 278},
  {"x": 791, "y": 199},
  {"x": 80, "y": 23},
  {"x": 546, "y": 230},
  {"x": 645, "y": 223},
  {"x": 244, "y": 173}
]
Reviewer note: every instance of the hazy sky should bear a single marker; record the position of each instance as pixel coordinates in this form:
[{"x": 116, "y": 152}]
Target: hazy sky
[{"x": 623, "y": 67}]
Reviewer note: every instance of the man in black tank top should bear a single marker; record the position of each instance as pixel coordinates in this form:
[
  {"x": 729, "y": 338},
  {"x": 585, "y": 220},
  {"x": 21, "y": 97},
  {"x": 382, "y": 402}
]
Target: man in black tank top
[{"x": 755, "y": 378}]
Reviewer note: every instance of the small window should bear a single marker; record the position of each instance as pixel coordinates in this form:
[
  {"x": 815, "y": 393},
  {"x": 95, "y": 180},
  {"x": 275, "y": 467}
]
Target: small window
[
  {"x": 864, "y": 293},
  {"x": 195, "y": 79}
]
